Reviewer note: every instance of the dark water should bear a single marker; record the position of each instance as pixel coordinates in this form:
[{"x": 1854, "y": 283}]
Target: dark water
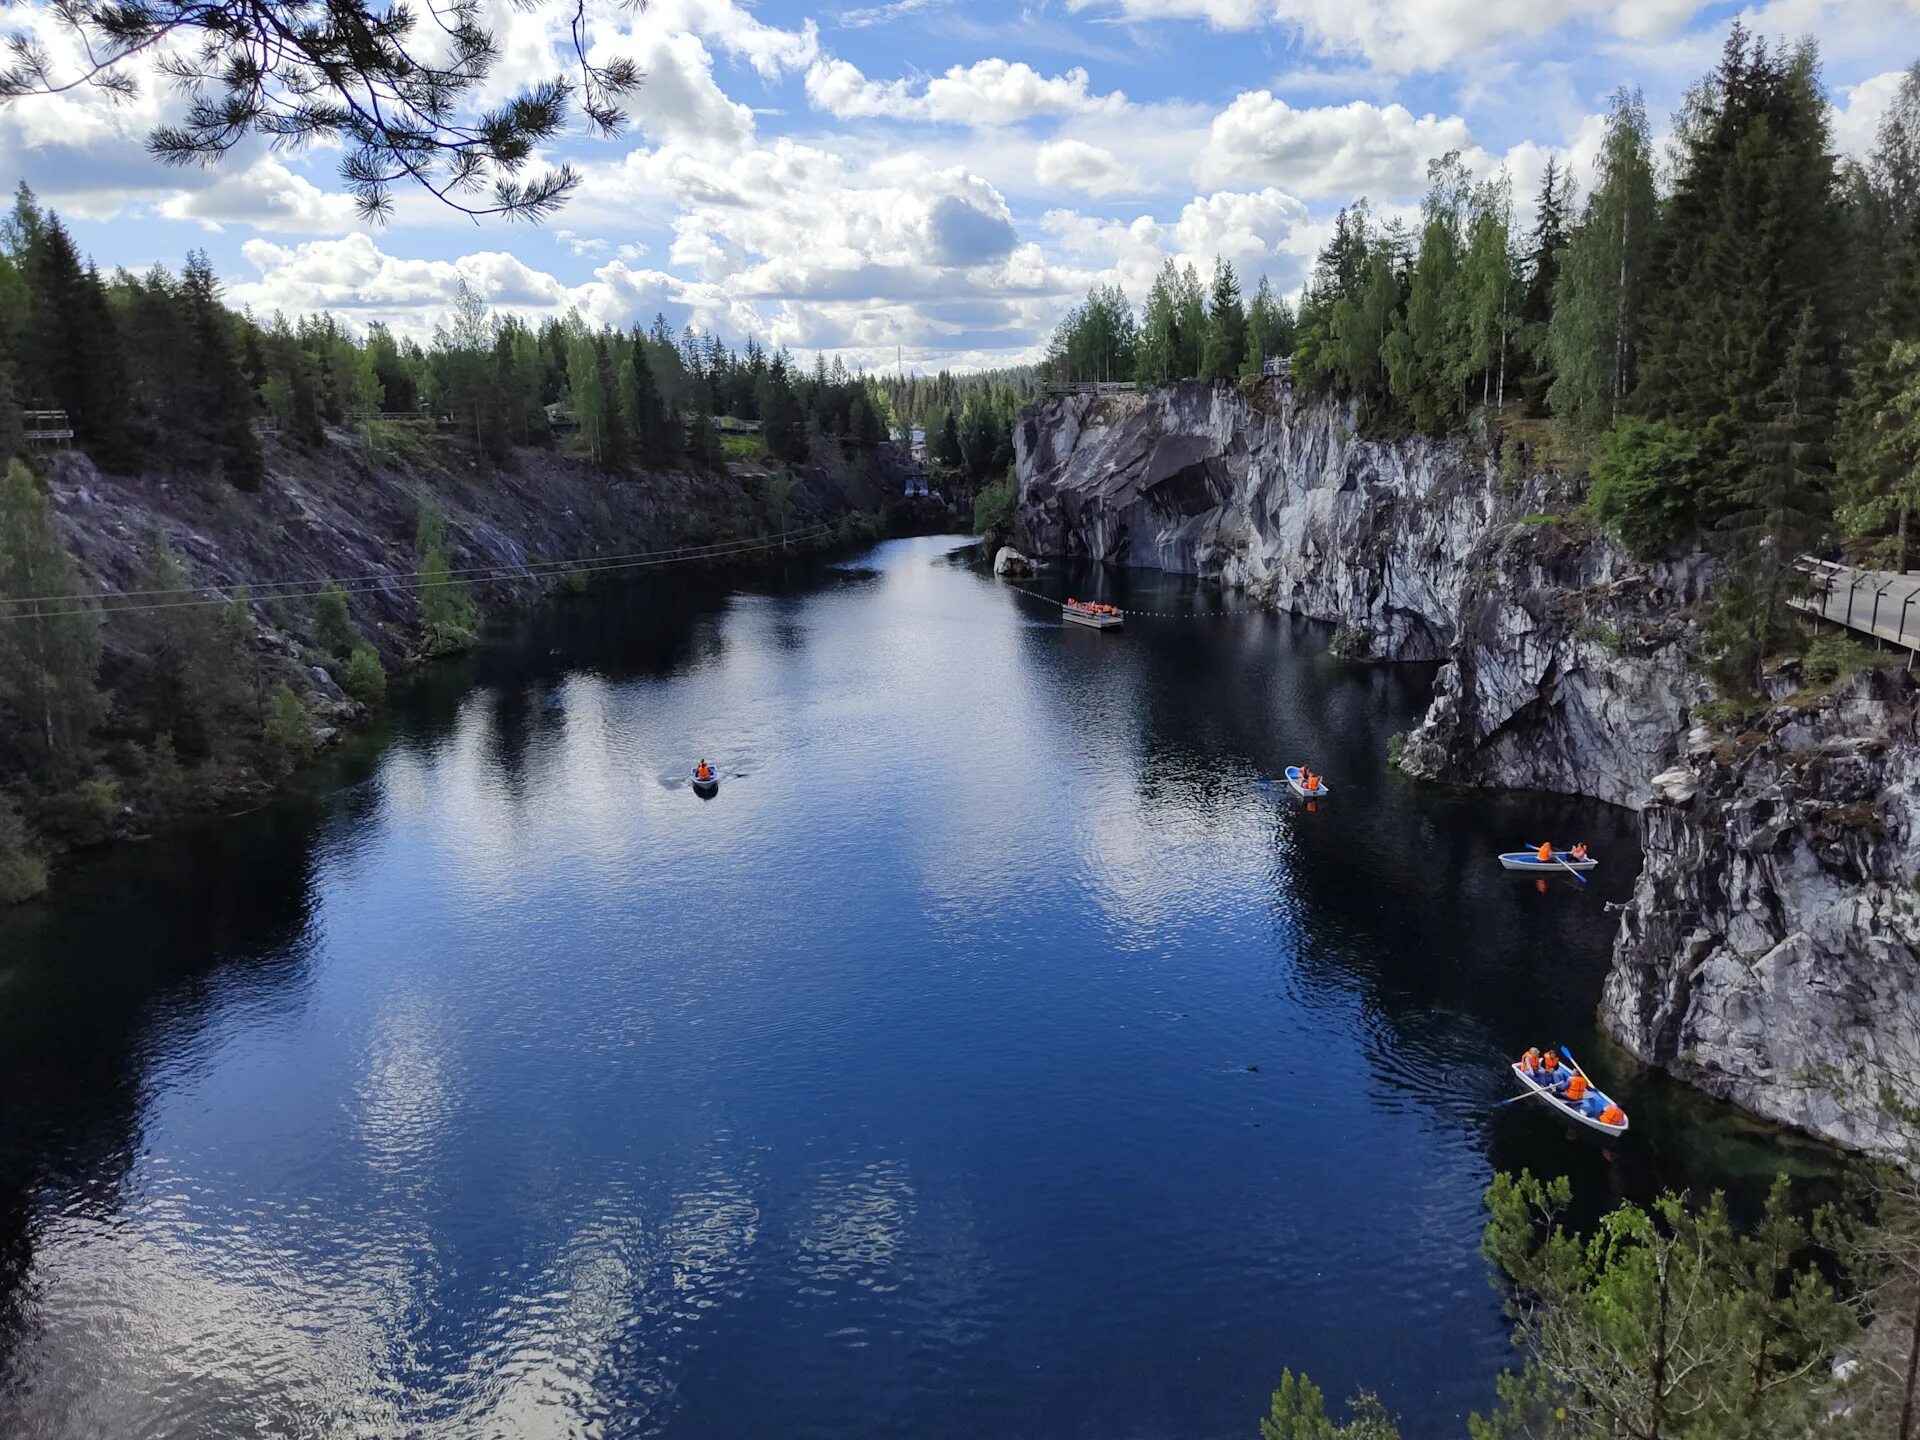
[{"x": 503, "y": 1087}]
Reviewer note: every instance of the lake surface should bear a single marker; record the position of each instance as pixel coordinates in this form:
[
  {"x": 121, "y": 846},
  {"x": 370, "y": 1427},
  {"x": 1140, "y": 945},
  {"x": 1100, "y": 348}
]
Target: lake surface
[{"x": 499, "y": 1086}]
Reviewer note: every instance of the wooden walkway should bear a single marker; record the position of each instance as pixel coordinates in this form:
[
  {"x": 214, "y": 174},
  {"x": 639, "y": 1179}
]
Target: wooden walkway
[{"x": 1882, "y": 603}]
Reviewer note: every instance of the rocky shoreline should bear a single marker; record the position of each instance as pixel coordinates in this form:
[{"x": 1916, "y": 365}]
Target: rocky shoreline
[
  {"x": 512, "y": 532},
  {"x": 1776, "y": 914}
]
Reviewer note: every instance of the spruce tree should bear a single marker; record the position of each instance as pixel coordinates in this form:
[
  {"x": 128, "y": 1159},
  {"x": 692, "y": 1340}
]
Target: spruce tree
[
  {"x": 1545, "y": 250},
  {"x": 1225, "y": 349}
]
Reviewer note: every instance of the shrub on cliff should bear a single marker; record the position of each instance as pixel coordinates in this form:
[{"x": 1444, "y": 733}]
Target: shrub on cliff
[
  {"x": 447, "y": 616},
  {"x": 1643, "y": 484},
  {"x": 993, "y": 506},
  {"x": 333, "y": 623},
  {"x": 364, "y": 678},
  {"x": 22, "y": 873},
  {"x": 287, "y": 734}
]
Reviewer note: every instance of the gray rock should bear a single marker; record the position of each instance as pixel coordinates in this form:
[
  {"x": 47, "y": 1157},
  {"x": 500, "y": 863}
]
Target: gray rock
[
  {"x": 1567, "y": 666},
  {"x": 1771, "y": 951},
  {"x": 1677, "y": 786},
  {"x": 324, "y": 682},
  {"x": 1010, "y": 561}
]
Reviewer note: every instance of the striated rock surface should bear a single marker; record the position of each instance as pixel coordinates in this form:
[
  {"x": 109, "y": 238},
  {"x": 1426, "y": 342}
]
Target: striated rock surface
[
  {"x": 1569, "y": 671},
  {"x": 1566, "y": 664},
  {"x": 1268, "y": 492},
  {"x": 1010, "y": 561},
  {"x": 1771, "y": 952}
]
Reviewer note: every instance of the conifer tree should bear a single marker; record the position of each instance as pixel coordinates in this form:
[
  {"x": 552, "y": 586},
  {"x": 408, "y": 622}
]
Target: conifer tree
[
  {"x": 1545, "y": 250},
  {"x": 1225, "y": 349}
]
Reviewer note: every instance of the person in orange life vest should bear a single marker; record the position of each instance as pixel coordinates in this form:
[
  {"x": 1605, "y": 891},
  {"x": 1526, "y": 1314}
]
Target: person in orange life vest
[
  {"x": 1549, "y": 1072},
  {"x": 1544, "y": 854},
  {"x": 1580, "y": 852},
  {"x": 1309, "y": 779},
  {"x": 1576, "y": 1088},
  {"x": 1612, "y": 1115},
  {"x": 1530, "y": 1062},
  {"x": 704, "y": 772}
]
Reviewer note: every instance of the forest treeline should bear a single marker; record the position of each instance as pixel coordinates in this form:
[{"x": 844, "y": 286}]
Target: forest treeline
[
  {"x": 1729, "y": 338},
  {"x": 156, "y": 371}
]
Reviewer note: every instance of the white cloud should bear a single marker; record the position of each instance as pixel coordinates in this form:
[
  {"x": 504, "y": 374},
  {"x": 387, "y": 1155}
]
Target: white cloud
[
  {"x": 1241, "y": 227},
  {"x": 680, "y": 100},
  {"x": 1856, "y": 122},
  {"x": 1076, "y": 165},
  {"x": 1339, "y": 150},
  {"x": 988, "y": 92},
  {"x": 1409, "y": 35},
  {"x": 267, "y": 196}
]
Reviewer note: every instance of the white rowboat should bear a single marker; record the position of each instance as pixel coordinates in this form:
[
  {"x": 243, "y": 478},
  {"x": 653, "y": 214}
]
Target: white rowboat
[
  {"x": 1571, "y": 1111},
  {"x": 1298, "y": 786},
  {"x": 707, "y": 786},
  {"x": 1562, "y": 861}
]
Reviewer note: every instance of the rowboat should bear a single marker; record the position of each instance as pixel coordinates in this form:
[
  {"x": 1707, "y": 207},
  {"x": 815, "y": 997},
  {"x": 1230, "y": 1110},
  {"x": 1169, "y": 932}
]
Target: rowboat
[
  {"x": 708, "y": 786},
  {"x": 1093, "y": 619},
  {"x": 1572, "y": 1110},
  {"x": 1297, "y": 784},
  {"x": 1562, "y": 861}
]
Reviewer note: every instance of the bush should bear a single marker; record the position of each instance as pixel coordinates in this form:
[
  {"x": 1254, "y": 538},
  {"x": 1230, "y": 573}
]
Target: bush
[
  {"x": 23, "y": 874},
  {"x": 333, "y": 623},
  {"x": 993, "y": 506},
  {"x": 365, "y": 679},
  {"x": 1396, "y": 744},
  {"x": 287, "y": 734},
  {"x": 1834, "y": 657},
  {"x": 84, "y": 815},
  {"x": 166, "y": 779},
  {"x": 1644, "y": 484}
]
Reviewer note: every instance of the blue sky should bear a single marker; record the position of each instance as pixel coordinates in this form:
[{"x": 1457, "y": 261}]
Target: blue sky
[{"x": 935, "y": 179}]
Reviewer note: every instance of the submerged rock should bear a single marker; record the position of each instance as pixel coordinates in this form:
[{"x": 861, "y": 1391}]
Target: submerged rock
[{"x": 1010, "y": 561}]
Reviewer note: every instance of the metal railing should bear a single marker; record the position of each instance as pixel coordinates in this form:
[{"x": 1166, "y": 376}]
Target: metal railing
[{"x": 1858, "y": 599}]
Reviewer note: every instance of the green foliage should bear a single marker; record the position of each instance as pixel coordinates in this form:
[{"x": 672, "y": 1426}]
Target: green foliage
[
  {"x": 287, "y": 733},
  {"x": 1396, "y": 746},
  {"x": 23, "y": 874},
  {"x": 50, "y": 640},
  {"x": 333, "y": 625},
  {"x": 1225, "y": 348},
  {"x": 1298, "y": 1411},
  {"x": 1095, "y": 340},
  {"x": 1665, "y": 1321},
  {"x": 365, "y": 678},
  {"x": 1832, "y": 658},
  {"x": 1643, "y": 484},
  {"x": 81, "y": 814},
  {"x": 1593, "y": 333},
  {"x": 993, "y": 506},
  {"x": 447, "y": 614}
]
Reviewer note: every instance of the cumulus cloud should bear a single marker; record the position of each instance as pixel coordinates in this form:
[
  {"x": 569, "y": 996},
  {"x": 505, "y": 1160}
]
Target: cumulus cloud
[
  {"x": 1076, "y": 165},
  {"x": 267, "y": 196},
  {"x": 1238, "y": 226},
  {"x": 988, "y": 92},
  {"x": 1335, "y": 150},
  {"x": 1856, "y": 120}
]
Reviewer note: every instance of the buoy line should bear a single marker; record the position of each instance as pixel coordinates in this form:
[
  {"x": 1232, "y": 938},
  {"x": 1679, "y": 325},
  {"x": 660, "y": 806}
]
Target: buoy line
[{"x": 1151, "y": 614}]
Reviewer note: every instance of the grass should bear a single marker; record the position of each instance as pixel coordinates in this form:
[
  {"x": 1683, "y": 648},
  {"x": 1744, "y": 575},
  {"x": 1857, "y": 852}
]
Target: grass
[
  {"x": 743, "y": 447},
  {"x": 1540, "y": 518}
]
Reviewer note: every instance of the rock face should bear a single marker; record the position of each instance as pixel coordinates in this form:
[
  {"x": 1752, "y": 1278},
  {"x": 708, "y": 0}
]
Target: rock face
[
  {"x": 1270, "y": 493},
  {"x": 1570, "y": 668},
  {"x": 1771, "y": 952},
  {"x": 1566, "y": 661},
  {"x": 1010, "y": 561}
]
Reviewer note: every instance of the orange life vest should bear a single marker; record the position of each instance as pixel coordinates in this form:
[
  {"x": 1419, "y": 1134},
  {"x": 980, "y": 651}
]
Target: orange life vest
[
  {"x": 1612, "y": 1115},
  {"x": 1576, "y": 1087},
  {"x": 1544, "y": 853}
]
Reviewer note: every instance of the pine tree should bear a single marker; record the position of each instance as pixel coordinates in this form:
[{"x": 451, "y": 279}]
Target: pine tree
[
  {"x": 218, "y": 387},
  {"x": 1225, "y": 350},
  {"x": 49, "y": 634},
  {"x": 1269, "y": 326}
]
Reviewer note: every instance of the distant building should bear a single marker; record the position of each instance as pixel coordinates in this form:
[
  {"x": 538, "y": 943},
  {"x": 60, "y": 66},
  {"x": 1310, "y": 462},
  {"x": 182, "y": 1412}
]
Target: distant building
[
  {"x": 1279, "y": 367},
  {"x": 917, "y": 444}
]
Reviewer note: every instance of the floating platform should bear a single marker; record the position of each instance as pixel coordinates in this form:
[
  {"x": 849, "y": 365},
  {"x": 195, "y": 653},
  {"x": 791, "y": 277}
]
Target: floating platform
[{"x": 1092, "y": 619}]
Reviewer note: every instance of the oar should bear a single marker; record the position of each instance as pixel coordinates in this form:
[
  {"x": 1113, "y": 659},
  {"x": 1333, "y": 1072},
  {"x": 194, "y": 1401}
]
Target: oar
[
  {"x": 1568, "y": 1054},
  {"x": 1563, "y": 865}
]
